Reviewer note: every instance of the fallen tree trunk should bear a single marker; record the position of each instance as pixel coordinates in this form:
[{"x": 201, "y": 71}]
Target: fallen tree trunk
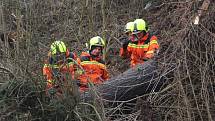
[{"x": 142, "y": 79}]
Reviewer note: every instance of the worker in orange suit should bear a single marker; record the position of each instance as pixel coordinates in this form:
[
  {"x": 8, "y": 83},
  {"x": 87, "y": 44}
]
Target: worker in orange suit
[
  {"x": 92, "y": 63},
  {"x": 141, "y": 45},
  {"x": 59, "y": 63},
  {"x": 126, "y": 39}
]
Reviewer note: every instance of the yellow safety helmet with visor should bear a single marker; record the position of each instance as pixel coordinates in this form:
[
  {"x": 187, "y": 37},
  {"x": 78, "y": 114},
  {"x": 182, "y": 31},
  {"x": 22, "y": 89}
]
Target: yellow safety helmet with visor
[
  {"x": 58, "y": 47},
  {"x": 139, "y": 26},
  {"x": 95, "y": 41}
]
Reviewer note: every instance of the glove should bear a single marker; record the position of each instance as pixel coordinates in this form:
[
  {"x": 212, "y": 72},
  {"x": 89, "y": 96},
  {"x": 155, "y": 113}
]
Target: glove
[
  {"x": 124, "y": 41},
  {"x": 78, "y": 82}
]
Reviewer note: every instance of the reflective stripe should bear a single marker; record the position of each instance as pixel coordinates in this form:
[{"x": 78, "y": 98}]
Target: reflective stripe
[
  {"x": 50, "y": 81},
  {"x": 46, "y": 65},
  {"x": 93, "y": 62},
  {"x": 149, "y": 52},
  {"x": 57, "y": 66},
  {"x": 153, "y": 42},
  {"x": 142, "y": 46},
  {"x": 70, "y": 63},
  {"x": 138, "y": 46},
  {"x": 54, "y": 66}
]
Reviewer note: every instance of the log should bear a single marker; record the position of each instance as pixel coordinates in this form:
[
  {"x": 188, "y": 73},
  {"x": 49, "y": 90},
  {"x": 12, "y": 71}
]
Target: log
[{"x": 137, "y": 81}]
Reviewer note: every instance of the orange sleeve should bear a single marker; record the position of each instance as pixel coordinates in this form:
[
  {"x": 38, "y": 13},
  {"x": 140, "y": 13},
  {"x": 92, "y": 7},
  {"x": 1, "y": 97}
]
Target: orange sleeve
[
  {"x": 153, "y": 43},
  {"x": 153, "y": 46},
  {"x": 46, "y": 70},
  {"x": 47, "y": 73}
]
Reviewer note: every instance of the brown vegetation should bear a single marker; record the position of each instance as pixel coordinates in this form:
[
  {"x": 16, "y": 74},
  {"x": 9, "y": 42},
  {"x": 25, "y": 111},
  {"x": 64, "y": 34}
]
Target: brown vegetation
[{"x": 186, "y": 48}]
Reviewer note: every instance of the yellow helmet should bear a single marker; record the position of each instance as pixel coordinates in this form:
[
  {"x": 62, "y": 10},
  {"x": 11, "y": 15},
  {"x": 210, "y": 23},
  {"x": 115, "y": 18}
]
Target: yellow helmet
[
  {"x": 129, "y": 27},
  {"x": 95, "y": 41},
  {"x": 139, "y": 25},
  {"x": 58, "y": 46}
]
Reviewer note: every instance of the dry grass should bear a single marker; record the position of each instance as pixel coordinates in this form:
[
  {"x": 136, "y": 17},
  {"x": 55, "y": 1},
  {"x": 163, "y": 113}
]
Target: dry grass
[{"x": 190, "y": 92}]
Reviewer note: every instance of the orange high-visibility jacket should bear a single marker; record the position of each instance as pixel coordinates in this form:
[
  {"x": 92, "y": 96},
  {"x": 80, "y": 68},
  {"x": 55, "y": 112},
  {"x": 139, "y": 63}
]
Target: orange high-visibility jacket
[
  {"x": 141, "y": 50},
  {"x": 50, "y": 66},
  {"x": 95, "y": 70}
]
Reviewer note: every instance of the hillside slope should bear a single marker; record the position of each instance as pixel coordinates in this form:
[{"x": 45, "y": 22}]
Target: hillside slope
[{"x": 190, "y": 92}]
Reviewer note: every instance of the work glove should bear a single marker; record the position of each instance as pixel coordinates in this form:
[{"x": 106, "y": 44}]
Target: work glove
[
  {"x": 78, "y": 82},
  {"x": 124, "y": 42}
]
